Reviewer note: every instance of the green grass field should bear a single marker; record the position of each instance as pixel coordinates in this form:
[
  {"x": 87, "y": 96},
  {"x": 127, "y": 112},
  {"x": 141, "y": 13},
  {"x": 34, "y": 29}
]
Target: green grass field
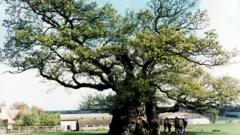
[
  {"x": 71, "y": 133},
  {"x": 211, "y": 129},
  {"x": 215, "y": 129}
]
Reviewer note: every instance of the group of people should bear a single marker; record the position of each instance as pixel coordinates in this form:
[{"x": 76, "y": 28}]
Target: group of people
[{"x": 179, "y": 124}]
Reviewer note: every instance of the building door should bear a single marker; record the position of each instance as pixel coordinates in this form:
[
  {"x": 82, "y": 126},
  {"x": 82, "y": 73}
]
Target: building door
[
  {"x": 68, "y": 127},
  {"x": 77, "y": 126}
]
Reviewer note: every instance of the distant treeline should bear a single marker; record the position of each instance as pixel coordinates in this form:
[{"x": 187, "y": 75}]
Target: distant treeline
[
  {"x": 81, "y": 111},
  {"x": 229, "y": 109}
]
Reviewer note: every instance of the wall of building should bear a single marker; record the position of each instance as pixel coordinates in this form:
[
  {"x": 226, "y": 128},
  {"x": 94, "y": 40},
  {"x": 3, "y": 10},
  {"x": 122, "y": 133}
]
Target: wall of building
[
  {"x": 87, "y": 120},
  {"x": 202, "y": 120},
  {"x": 69, "y": 125}
]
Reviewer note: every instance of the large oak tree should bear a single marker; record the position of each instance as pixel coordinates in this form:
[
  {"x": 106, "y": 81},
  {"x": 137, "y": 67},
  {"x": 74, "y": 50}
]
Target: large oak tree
[{"x": 148, "y": 58}]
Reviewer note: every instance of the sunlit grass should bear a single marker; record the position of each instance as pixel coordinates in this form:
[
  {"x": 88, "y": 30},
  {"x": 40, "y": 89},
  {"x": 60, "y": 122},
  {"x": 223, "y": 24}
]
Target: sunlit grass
[{"x": 215, "y": 129}]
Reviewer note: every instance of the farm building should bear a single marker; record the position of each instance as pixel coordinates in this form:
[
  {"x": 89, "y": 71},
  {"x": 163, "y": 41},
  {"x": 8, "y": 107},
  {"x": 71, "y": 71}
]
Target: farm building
[
  {"x": 92, "y": 119},
  {"x": 192, "y": 118},
  {"x": 75, "y": 122},
  {"x": 8, "y": 116}
]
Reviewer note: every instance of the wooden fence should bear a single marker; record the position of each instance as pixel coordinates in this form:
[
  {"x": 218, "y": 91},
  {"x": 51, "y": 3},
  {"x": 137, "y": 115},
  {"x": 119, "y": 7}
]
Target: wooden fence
[{"x": 32, "y": 129}]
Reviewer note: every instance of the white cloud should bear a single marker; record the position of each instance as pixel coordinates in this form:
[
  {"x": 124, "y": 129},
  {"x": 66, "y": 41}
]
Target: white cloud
[
  {"x": 28, "y": 88},
  {"x": 225, "y": 18}
]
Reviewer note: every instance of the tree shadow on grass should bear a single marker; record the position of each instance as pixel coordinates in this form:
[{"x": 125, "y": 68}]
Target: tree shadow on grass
[{"x": 205, "y": 133}]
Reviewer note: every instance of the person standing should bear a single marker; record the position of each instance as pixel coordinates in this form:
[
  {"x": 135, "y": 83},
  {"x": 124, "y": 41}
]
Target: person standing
[
  {"x": 169, "y": 125},
  {"x": 165, "y": 125},
  {"x": 184, "y": 125},
  {"x": 176, "y": 125}
]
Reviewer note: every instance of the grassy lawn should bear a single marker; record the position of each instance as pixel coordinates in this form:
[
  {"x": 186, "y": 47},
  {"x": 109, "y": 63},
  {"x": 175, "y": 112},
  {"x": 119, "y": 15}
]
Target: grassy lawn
[
  {"x": 211, "y": 129},
  {"x": 215, "y": 129},
  {"x": 72, "y": 133},
  {"x": 228, "y": 120}
]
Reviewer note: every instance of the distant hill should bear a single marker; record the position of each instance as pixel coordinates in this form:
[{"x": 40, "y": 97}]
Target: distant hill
[{"x": 82, "y": 111}]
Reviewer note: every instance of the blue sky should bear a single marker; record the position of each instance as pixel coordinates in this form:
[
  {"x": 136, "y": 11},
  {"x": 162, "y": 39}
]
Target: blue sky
[
  {"x": 122, "y": 5},
  {"x": 29, "y": 88}
]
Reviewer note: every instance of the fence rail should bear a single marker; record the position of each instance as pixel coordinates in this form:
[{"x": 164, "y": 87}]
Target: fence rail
[{"x": 31, "y": 129}]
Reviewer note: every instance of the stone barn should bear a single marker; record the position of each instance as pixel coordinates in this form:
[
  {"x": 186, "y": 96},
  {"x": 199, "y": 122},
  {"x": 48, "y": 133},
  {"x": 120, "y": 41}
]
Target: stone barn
[{"x": 76, "y": 122}]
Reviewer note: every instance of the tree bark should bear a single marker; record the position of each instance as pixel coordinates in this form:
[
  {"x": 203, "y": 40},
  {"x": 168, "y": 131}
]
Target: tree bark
[
  {"x": 153, "y": 118},
  {"x": 116, "y": 124}
]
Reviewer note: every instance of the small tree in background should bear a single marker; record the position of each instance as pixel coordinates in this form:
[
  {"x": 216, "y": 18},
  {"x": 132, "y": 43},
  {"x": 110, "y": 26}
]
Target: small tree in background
[
  {"x": 98, "y": 102},
  {"x": 35, "y": 116},
  {"x": 2, "y": 104},
  {"x": 19, "y": 106},
  {"x": 49, "y": 119}
]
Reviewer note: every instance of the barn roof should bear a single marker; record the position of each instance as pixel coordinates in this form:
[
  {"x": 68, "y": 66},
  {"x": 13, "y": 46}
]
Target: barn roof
[
  {"x": 81, "y": 111},
  {"x": 182, "y": 115},
  {"x": 68, "y": 117}
]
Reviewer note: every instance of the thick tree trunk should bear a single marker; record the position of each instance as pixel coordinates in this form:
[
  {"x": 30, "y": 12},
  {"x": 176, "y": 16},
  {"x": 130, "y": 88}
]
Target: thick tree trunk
[
  {"x": 153, "y": 118},
  {"x": 133, "y": 120},
  {"x": 116, "y": 125}
]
